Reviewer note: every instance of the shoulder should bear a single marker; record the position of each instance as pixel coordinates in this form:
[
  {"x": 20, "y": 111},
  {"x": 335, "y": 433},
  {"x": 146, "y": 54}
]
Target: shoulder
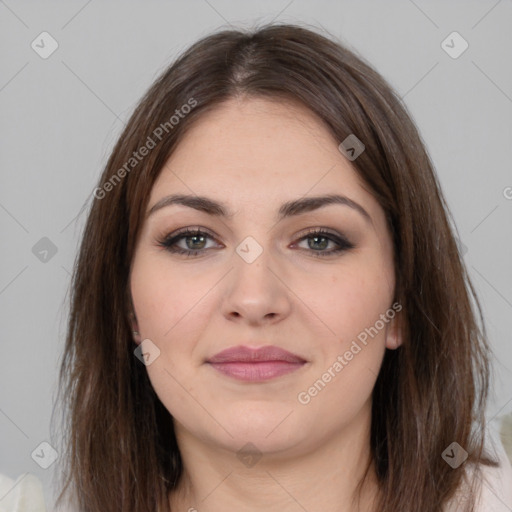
[
  {"x": 24, "y": 493},
  {"x": 496, "y": 492},
  {"x": 492, "y": 485},
  {"x": 496, "y": 487}
]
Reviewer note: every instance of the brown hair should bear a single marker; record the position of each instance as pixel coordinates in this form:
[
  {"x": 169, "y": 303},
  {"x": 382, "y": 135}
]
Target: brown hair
[{"x": 120, "y": 451}]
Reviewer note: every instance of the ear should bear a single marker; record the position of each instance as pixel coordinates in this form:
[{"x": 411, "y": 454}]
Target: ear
[
  {"x": 134, "y": 325},
  {"x": 394, "y": 331}
]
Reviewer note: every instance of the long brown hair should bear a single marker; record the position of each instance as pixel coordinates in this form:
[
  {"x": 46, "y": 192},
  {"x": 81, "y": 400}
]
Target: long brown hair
[{"x": 120, "y": 450}]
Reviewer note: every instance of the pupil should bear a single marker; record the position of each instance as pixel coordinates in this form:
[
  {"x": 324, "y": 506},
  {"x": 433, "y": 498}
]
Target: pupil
[
  {"x": 324, "y": 245},
  {"x": 195, "y": 237}
]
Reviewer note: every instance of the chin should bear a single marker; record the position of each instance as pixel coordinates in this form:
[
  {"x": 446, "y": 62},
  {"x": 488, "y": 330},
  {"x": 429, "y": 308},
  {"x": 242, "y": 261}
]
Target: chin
[{"x": 270, "y": 427}]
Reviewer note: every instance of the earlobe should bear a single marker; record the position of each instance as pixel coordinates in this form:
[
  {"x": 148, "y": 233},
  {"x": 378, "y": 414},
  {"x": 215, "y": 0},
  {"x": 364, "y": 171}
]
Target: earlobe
[
  {"x": 136, "y": 337},
  {"x": 134, "y": 328},
  {"x": 394, "y": 333}
]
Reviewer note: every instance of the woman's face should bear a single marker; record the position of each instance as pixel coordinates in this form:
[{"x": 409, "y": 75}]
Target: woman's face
[{"x": 257, "y": 277}]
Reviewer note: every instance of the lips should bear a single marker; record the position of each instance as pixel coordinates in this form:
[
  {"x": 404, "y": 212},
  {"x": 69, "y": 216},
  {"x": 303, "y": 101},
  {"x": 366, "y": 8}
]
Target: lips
[
  {"x": 242, "y": 354},
  {"x": 255, "y": 365}
]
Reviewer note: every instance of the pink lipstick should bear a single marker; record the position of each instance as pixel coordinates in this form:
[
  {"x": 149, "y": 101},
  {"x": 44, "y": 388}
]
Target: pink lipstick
[{"x": 255, "y": 365}]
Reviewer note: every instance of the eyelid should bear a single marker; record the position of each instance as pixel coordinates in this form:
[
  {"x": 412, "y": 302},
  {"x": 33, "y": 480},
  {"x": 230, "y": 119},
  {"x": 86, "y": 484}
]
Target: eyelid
[
  {"x": 190, "y": 229},
  {"x": 318, "y": 229}
]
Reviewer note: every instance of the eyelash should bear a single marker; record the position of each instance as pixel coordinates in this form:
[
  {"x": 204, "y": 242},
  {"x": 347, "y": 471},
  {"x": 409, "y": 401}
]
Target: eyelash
[{"x": 167, "y": 242}]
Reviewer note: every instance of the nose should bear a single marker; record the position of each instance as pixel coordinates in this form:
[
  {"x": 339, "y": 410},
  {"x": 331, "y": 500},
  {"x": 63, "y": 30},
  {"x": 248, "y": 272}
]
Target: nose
[{"x": 255, "y": 292}]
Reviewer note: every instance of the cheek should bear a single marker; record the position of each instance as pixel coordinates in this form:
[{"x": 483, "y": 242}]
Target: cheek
[
  {"x": 163, "y": 297},
  {"x": 345, "y": 375},
  {"x": 163, "y": 300},
  {"x": 357, "y": 295}
]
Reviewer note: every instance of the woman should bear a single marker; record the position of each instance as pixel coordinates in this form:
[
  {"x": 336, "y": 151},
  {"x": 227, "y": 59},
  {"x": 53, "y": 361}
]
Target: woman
[{"x": 269, "y": 310}]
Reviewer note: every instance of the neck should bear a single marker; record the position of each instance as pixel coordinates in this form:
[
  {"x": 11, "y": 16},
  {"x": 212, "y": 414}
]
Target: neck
[{"x": 322, "y": 477}]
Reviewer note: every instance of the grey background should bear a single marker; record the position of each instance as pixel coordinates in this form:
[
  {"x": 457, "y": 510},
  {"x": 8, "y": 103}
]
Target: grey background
[{"x": 61, "y": 116}]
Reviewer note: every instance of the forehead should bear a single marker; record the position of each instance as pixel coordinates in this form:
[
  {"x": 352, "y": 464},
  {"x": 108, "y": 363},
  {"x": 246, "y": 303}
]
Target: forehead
[{"x": 256, "y": 151}]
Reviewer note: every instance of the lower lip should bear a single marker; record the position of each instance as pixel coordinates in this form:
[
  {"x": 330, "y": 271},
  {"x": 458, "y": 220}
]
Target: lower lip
[{"x": 256, "y": 372}]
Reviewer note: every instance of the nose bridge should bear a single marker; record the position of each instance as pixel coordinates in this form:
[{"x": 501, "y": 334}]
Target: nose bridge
[
  {"x": 254, "y": 291},
  {"x": 252, "y": 263}
]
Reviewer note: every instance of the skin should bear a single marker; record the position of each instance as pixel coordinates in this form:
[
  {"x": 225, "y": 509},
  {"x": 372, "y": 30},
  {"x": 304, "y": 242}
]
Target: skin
[{"x": 253, "y": 155}]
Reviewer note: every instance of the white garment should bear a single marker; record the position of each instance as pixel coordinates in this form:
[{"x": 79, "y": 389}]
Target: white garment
[
  {"x": 496, "y": 486},
  {"x": 25, "y": 494}
]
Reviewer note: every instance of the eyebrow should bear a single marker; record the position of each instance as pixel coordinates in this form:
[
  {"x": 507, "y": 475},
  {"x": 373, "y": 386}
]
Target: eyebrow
[{"x": 288, "y": 209}]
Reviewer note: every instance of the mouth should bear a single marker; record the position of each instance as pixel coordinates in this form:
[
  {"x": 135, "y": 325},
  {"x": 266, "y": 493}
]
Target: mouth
[{"x": 255, "y": 365}]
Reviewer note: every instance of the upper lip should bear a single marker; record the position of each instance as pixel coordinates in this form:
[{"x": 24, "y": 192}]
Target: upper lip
[{"x": 246, "y": 354}]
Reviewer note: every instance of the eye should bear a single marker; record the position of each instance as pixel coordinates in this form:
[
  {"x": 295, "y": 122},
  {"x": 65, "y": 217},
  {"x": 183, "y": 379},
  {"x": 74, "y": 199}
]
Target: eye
[
  {"x": 195, "y": 242},
  {"x": 318, "y": 239}
]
